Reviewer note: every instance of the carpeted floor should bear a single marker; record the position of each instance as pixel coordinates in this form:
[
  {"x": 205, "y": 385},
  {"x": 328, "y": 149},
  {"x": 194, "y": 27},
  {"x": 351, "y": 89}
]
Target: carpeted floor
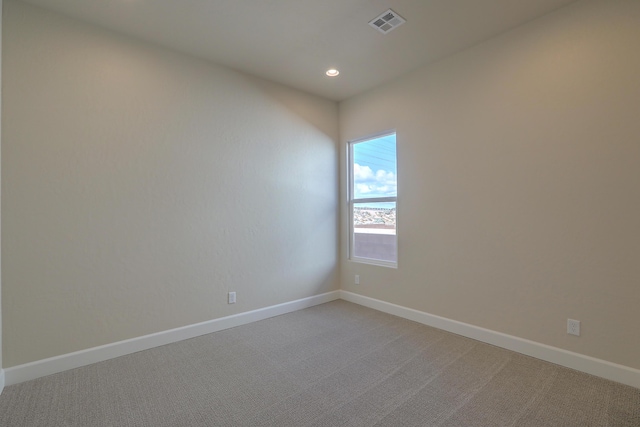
[{"x": 337, "y": 364}]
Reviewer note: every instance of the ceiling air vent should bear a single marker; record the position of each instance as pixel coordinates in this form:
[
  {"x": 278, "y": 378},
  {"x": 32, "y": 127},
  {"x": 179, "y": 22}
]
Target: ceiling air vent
[{"x": 387, "y": 21}]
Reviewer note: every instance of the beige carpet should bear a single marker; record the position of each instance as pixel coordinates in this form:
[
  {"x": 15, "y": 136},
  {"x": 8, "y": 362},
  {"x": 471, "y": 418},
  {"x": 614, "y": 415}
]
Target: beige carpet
[{"x": 337, "y": 364}]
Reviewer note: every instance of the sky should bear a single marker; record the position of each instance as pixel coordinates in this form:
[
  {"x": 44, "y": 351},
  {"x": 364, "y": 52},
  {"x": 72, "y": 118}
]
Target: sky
[{"x": 374, "y": 168}]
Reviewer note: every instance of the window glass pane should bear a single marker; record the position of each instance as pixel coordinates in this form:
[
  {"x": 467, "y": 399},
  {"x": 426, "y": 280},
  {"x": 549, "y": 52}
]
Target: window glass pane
[
  {"x": 374, "y": 168},
  {"x": 374, "y": 231}
]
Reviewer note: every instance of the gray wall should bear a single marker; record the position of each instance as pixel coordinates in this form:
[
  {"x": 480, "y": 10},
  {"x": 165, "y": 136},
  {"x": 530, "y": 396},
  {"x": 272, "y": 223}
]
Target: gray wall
[
  {"x": 380, "y": 247},
  {"x": 1, "y": 370},
  {"x": 140, "y": 185}
]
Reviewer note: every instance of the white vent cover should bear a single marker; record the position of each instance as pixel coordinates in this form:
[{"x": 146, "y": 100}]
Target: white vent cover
[{"x": 387, "y": 21}]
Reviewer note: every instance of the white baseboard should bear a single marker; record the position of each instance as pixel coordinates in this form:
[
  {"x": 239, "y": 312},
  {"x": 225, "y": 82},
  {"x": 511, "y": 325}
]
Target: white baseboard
[
  {"x": 590, "y": 365},
  {"x": 40, "y": 368},
  {"x": 579, "y": 362}
]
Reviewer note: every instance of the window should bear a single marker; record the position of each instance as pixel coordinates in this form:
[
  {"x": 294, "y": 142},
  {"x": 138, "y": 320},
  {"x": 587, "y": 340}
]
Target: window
[{"x": 372, "y": 200}]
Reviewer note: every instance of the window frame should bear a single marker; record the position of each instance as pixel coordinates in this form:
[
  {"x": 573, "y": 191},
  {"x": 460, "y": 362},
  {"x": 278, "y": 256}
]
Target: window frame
[{"x": 351, "y": 201}]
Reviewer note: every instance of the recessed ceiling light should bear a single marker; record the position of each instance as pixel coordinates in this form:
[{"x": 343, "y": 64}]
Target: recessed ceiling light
[{"x": 332, "y": 72}]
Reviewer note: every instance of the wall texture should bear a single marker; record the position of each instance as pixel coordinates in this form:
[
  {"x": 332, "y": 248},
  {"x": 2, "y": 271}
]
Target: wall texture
[
  {"x": 519, "y": 182},
  {"x": 140, "y": 185},
  {"x": 1, "y": 370}
]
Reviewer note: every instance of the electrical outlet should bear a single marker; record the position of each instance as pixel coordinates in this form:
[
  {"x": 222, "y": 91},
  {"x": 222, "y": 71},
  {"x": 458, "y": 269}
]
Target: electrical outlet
[
  {"x": 357, "y": 280},
  {"x": 232, "y": 298},
  {"x": 573, "y": 327}
]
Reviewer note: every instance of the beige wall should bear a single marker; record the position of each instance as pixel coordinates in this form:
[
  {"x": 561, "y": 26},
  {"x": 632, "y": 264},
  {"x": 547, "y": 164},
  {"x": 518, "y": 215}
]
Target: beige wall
[
  {"x": 1, "y": 370},
  {"x": 519, "y": 182},
  {"x": 140, "y": 185}
]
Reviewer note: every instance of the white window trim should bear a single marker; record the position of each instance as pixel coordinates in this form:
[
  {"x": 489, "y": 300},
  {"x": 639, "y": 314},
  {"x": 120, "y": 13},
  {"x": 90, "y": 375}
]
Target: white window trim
[{"x": 351, "y": 202}]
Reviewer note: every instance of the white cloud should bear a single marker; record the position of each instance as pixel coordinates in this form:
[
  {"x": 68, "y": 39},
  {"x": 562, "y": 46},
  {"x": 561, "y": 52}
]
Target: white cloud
[
  {"x": 362, "y": 173},
  {"x": 363, "y": 189},
  {"x": 382, "y": 183},
  {"x": 388, "y": 178}
]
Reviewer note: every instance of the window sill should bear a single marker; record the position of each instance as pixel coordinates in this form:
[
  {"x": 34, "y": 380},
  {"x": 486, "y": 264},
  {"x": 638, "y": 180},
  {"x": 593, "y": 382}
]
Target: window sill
[{"x": 369, "y": 261}]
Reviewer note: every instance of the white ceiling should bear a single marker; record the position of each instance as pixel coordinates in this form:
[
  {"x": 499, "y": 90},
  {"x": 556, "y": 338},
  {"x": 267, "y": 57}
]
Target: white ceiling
[{"x": 295, "y": 41}]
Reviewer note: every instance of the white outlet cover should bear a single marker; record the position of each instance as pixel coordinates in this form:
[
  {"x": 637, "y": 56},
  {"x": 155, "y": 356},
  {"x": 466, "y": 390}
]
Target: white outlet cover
[
  {"x": 573, "y": 327},
  {"x": 232, "y": 298},
  {"x": 357, "y": 280}
]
